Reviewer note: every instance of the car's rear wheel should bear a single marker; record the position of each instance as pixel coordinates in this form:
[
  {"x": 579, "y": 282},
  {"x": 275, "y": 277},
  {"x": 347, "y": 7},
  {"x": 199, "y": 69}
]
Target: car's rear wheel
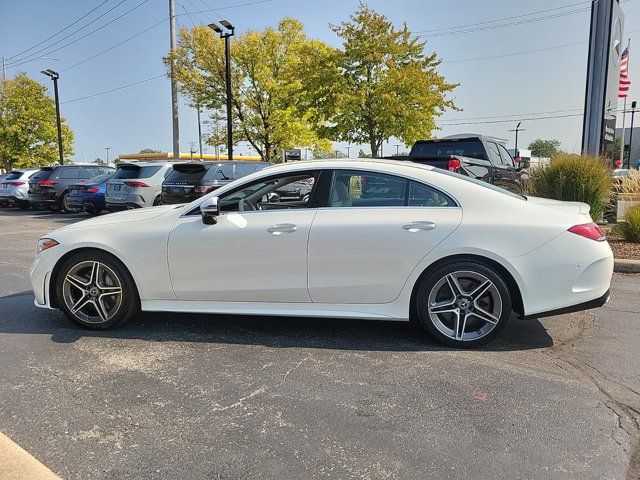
[
  {"x": 463, "y": 304},
  {"x": 64, "y": 203},
  {"x": 158, "y": 201},
  {"x": 96, "y": 291}
]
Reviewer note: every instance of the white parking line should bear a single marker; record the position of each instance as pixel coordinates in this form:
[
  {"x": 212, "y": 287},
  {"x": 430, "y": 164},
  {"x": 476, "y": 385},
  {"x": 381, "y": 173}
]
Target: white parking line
[{"x": 17, "y": 464}]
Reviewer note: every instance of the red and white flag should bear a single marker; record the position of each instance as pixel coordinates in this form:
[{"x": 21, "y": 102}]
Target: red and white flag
[{"x": 625, "y": 83}]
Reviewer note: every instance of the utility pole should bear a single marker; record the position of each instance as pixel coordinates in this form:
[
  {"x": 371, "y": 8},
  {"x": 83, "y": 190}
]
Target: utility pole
[
  {"x": 633, "y": 111},
  {"x": 55, "y": 76},
  {"x": 517, "y": 129},
  {"x": 348, "y": 151},
  {"x": 227, "y": 55},
  {"x": 397, "y": 149},
  {"x": 174, "y": 87},
  {"x": 107, "y": 149},
  {"x": 199, "y": 132}
]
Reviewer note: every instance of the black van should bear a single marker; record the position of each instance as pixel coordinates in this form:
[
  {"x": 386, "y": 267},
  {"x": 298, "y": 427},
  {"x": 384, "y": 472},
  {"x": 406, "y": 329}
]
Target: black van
[{"x": 191, "y": 180}]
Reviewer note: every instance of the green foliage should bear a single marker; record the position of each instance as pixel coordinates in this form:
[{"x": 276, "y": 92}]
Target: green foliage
[
  {"x": 545, "y": 148},
  {"x": 269, "y": 109},
  {"x": 381, "y": 84},
  {"x": 573, "y": 178},
  {"x": 28, "y": 132},
  {"x": 629, "y": 228}
]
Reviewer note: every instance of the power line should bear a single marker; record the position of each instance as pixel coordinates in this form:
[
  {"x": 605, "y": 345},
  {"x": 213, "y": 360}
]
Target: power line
[
  {"x": 515, "y": 115},
  {"x": 31, "y": 55},
  {"x": 93, "y": 31},
  {"x": 511, "y": 120},
  {"x": 228, "y": 7},
  {"x": 59, "y": 31},
  {"x": 501, "y": 19},
  {"x": 524, "y": 52},
  {"x": 116, "y": 45},
  {"x": 114, "y": 89}
]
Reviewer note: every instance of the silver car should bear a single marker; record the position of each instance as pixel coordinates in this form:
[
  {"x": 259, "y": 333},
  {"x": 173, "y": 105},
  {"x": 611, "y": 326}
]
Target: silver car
[
  {"x": 14, "y": 189},
  {"x": 136, "y": 185}
]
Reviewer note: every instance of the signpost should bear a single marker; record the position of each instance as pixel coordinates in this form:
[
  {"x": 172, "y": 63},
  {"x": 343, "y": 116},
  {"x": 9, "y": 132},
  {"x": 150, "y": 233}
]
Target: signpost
[{"x": 601, "y": 98}]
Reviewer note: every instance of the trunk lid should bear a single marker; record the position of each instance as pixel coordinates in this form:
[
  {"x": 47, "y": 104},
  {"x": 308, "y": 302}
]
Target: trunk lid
[{"x": 573, "y": 207}]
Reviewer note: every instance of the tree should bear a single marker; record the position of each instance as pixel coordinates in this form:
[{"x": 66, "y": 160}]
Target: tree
[
  {"x": 28, "y": 132},
  {"x": 268, "y": 110},
  {"x": 380, "y": 85},
  {"x": 149, "y": 150},
  {"x": 545, "y": 148},
  {"x": 99, "y": 161}
]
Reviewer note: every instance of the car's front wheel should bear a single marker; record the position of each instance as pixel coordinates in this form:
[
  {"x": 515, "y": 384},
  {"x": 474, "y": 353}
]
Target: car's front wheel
[
  {"x": 96, "y": 291},
  {"x": 463, "y": 304}
]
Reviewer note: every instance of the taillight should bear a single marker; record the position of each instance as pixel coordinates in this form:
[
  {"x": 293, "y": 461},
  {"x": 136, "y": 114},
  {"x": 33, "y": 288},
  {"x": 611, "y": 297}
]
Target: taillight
[
  {"x": 135, "y": 184},
  {"x": 16, "y": 184},
  {"x": 590, "y": 231},
  {"x": 92, "y": 190},
  {"x": 46, "y": 183},
  {"x": 202, "y": 189},
  {"x": 454, "y": 164}
]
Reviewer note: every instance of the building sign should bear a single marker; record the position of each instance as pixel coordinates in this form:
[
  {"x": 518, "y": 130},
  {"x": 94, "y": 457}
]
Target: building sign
[
  {"x": 292, "y": 155},
  {"x": 601, "y": 100}
]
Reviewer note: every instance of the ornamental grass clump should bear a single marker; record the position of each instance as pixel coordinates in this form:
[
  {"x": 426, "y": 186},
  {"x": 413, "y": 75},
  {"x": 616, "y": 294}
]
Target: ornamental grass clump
[
  {"x": 629, "y": 228},
  {"x": 574, "y": 178}
]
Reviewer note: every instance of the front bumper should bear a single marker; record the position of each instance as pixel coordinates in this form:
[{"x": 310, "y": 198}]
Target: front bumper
[{"x": 40, "y": 275}]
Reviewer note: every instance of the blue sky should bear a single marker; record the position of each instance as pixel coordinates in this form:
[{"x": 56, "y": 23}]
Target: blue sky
[{"x": 140, "y": 116}]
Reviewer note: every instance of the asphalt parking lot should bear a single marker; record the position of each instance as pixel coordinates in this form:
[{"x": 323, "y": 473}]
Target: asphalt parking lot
[{"x": 191, "y": 396}]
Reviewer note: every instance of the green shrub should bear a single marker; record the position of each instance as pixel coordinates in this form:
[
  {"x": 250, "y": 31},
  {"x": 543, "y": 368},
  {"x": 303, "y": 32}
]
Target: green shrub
[
  {"x": 630, "y": 227},
  {"x": 574, "y": 178}
]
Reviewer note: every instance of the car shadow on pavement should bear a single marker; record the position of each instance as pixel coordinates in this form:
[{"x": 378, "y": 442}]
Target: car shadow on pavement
[
  {"x": 57, "y": 217},
  {"x": 19, "y": 316}
]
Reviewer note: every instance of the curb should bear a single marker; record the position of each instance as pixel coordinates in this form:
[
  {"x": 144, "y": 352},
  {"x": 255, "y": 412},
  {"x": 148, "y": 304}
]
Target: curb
[
  {"x": 626, "y": 266},
  {"x": 17, "y": 464}
]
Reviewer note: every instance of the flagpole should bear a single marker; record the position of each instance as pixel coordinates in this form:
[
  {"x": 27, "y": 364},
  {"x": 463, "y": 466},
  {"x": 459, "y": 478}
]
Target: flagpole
[{"x": 624, "y": 114}]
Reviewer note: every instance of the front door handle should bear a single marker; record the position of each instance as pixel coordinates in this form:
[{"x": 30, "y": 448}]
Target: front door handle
[
  {"x": 282, "y": 228},
  {"x": 417, "y": 226}
]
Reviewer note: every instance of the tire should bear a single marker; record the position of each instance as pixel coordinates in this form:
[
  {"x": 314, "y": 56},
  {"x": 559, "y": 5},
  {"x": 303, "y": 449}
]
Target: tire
[
  {"x": 469, "y": 291},
  {"x": 23, "y": 205},
  {"x": 158, "y": 201},
  {"x": 87, "y": 290},
  {"x": 92, "y": 211},
  {"x": 65, "y": 207}
]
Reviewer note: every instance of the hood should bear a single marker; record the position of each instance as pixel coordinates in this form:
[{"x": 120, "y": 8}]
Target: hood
[
  {"x": 127, "y": 216},
  {"x": 573, "y": 207}
]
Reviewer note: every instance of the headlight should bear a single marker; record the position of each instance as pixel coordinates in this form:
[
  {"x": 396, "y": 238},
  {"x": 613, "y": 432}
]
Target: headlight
[{"x": 46, "y": 243}]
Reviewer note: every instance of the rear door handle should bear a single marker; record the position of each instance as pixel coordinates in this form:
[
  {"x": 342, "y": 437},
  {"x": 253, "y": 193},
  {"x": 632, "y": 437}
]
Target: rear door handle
[
  {"x": 282, "y": 228},
  {"x": 417, "y": 226}
]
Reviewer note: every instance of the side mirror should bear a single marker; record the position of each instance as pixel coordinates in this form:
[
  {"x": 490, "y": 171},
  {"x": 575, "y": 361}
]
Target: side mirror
[{"x": 210, "y": 209}]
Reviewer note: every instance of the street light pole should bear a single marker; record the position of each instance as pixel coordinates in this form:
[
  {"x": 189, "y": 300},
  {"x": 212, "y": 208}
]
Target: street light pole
[
  {"x": 107, "y": 149},
  {"x": 55, "y": 76},
  {"x": 227, "y": 54},
  {"x": 348, "y": 151},
  {"x": 199, "y": 133},
  {"x": 517, "y": 129}
]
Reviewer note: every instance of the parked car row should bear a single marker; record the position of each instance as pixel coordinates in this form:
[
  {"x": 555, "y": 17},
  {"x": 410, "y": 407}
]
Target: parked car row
[{"x": 93, "y": 188}]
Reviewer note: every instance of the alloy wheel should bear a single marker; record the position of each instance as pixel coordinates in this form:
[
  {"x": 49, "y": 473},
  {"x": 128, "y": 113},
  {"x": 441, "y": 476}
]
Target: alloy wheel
[
  {"x": 465, "y": 305},
  {"x": 92, "y": 292}
]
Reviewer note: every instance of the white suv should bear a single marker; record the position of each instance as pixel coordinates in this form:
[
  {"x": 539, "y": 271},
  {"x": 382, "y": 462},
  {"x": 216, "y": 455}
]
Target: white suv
[
  {"x": 136, "y": 185},
  {"x": 14, "y": 189}
]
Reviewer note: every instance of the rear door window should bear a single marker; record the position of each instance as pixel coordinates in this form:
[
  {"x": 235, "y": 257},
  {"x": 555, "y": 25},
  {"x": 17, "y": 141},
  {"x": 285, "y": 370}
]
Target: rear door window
[
  {"x": 421, "y": 195},
  {"x": 70, "y": 173},
  {"x": 494, "y": 153},
  {"x": 89, "y": 172},
  {"x": 506, "y": 158},
  {"x": 367, "y": 189}
]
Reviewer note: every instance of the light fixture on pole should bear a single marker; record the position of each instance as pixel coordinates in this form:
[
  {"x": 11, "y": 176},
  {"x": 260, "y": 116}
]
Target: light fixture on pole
[
  {"x": 55, "y": 76},
  {"x": 517, "y": 129},
  {"x": 230, "y": 31}
]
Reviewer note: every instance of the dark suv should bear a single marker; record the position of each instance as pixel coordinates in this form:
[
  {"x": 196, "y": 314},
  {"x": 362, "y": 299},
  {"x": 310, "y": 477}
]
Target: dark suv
[
  {"x": 189, "y": 181},
  {"x": 50, "y": 186}
]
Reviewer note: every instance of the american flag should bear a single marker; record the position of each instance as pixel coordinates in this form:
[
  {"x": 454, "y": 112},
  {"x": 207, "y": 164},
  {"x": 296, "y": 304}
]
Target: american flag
[{"x": 625, "y": 83}]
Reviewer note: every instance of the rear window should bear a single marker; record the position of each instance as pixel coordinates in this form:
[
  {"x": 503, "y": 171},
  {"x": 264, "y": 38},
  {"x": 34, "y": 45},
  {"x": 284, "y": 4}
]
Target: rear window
[
  {"x": 222, "y": 171},
  {"x": 101, "y": 178},
  {"x": 479, "y": 182},
  {"x": 41, "y": 174},
  {"x": 463, "y": 148},
  {"x": 243, "y": 169},
  {"x": 14, "y": 175},
  {"x": 187, "y": 173},
  {"x": 126, "y": 172}
]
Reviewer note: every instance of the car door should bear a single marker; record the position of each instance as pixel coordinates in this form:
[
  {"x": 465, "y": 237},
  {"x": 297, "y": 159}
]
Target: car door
[
  {"x": 511, "y": 175},
  {"x": 373, "y": 232},
  {"x": 256, "y": 252}
]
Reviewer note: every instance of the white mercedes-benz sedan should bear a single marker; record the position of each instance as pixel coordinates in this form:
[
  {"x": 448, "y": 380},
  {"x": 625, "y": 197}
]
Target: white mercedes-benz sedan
[{"x": 374, "y": 240}]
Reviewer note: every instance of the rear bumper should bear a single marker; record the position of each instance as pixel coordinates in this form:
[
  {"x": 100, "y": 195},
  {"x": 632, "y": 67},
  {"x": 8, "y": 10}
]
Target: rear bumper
[
  {"x": 171, "y": 199},
  {"x": 596, "y": 303}
]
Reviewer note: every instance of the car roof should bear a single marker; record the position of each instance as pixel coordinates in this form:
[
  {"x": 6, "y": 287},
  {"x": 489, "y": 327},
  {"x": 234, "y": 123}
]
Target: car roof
[{"x": 340, "y": 163}]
